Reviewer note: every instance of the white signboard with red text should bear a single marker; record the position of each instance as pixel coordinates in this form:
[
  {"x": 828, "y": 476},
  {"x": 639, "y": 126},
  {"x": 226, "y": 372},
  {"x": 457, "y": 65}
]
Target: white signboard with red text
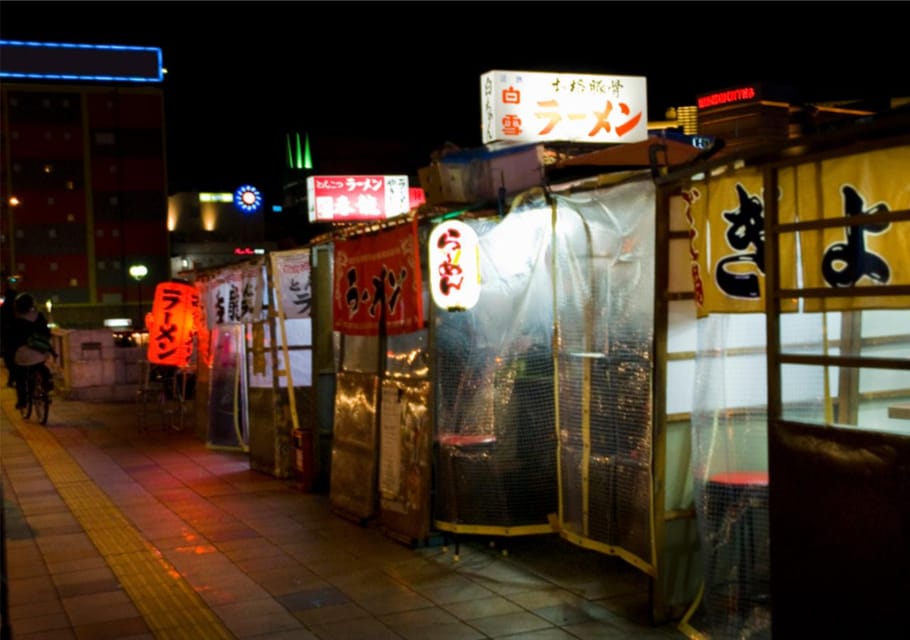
[
  {"x": 527, "y": 106},
  {"x": 357, "y": 198}
]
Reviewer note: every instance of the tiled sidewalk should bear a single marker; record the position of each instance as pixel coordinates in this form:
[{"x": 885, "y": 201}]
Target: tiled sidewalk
[{"x": 115, "y": 534}]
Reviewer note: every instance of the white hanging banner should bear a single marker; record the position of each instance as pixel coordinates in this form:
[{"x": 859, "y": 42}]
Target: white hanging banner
[
  {"x": 223, "y": 303},
  {"x": 252, "y": 291},
  {"x": 291, "y": 272}
]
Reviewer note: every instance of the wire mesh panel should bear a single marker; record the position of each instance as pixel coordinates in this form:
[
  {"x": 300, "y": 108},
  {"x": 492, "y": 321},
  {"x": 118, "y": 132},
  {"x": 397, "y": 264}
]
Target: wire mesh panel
[
  {"x": 729, "y": 423},
  {"x": 496, "y": 464},
  {"x": 604, "y": 298}
]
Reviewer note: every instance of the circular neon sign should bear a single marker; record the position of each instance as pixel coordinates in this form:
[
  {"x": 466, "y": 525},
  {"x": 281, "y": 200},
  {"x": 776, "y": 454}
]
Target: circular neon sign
[{"x": 248, "y": 199}]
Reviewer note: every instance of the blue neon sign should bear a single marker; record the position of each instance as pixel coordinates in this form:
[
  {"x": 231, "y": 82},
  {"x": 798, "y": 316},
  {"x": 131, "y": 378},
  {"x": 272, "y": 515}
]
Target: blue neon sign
[
  {"x": 248, "y": 199},
  {"x": 66, "y": 61}
]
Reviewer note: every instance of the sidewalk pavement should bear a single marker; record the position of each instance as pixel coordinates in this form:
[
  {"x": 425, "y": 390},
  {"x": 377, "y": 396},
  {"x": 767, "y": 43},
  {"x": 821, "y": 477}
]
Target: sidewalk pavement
[{"x": 113, "y": 533}]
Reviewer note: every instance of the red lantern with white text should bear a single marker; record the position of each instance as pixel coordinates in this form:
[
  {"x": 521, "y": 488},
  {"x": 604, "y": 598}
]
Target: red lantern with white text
[{"x": 171, "y": 324}]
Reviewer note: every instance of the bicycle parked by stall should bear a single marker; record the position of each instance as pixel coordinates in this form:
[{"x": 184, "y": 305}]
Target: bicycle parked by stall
[{"x": 37, "y": 395}]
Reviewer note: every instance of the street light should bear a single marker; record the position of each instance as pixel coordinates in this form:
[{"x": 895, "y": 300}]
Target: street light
[{"x": 138, "y": 272}]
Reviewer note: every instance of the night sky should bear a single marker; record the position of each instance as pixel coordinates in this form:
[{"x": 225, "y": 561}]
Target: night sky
[{"x": 380, "y": 85}]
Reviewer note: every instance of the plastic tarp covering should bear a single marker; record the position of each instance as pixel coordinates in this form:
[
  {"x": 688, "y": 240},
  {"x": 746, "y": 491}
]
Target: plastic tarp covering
[
  {"x": 496, "y": 464},
  {"x": 228, "y": 425},
  {"x": 605, "y": 315},
  {"x": 498, "y": 444},
  {"x": 730, "y": 442}
]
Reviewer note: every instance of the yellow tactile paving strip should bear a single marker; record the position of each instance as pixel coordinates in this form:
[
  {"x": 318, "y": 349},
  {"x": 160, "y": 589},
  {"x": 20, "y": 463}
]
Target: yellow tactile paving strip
[{"x": 167, "y": 602}]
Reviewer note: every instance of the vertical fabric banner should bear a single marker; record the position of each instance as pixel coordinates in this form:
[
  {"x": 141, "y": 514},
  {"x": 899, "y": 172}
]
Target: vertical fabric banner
[
  {"x": 204, "y": 283},
  {"x": 203, "y": 334},
  {"x": 727, "y": 244},
  {"x": 377, "y": 285},
  {"x": 860, "y": 255},
  {"x": 224, "y": 302},
  {"x": 252, "y": 291},
  {"x": 292, "y": 276}
]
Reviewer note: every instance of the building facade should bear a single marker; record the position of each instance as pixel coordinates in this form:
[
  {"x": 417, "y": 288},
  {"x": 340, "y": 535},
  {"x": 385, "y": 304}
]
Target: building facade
[{"x": 83, "y": 172}]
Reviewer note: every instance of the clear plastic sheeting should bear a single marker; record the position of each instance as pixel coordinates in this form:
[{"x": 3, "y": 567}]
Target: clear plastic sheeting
[
  {"x": 406, "y": 356},
  {"x": 730, "y": 441},
  {"x": 730, "y": 438},
  {"x": 496, "y": 456},
  {"x": 605, "y": 305},
  {"x": 502, "y": 461}
]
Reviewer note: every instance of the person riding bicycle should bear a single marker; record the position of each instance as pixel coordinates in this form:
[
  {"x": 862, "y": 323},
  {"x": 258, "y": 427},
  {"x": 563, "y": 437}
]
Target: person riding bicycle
[
  {"x": 7, "y": 317},
  {"x": 29, "y": 334}
]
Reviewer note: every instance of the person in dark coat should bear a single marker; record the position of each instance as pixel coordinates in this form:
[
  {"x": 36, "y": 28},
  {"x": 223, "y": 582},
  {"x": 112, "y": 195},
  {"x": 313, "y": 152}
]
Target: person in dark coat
[
  {"x": 28, "y": 320},
  {"x": 7, "y": 316}
]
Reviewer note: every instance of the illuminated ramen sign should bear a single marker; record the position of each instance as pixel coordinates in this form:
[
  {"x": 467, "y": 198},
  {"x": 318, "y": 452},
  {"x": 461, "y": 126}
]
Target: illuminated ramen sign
[
  {"x": 454, "y": 265},
  {"x": 356, "y": 198}
]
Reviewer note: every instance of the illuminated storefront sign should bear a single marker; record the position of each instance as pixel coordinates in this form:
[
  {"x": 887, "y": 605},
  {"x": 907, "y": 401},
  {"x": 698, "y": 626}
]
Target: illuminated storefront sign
[
  {"x": 454, "y": 266},
  {"x": 525, "y": 106},
  {"x": 172, "y": 324},
  {"x": 216, "y": 197},
  {"x": 728, "y": 96},
  {"x": 356, "y": 198}
]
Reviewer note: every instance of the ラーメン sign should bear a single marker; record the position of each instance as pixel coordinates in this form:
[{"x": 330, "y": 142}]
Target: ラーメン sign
[
  {"x": 172, "y": 323},
  {"x": 526, "y": 106},
  {"x": 454, "y": 265},
  {"x": 357, "y": 198}
]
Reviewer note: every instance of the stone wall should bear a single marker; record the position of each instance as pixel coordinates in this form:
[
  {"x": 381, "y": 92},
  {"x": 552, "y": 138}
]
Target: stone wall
[{"x": 90, "y": 366}]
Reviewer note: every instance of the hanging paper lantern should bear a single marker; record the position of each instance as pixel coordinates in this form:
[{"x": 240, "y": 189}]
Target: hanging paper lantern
[
  {"x": 171, "y": 324},
  {"x": 454, "y": 265}
]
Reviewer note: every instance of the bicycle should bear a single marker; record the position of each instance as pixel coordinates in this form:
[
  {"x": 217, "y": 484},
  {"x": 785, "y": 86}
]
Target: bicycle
[
  {"x": 162, "y": 390},
  {"x": 37, "y": 395}
]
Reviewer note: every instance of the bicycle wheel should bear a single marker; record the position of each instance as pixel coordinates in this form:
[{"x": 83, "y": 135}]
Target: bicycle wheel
[
  {"x": 26, "y": 410},
  {"x": 41, "y": 400}
]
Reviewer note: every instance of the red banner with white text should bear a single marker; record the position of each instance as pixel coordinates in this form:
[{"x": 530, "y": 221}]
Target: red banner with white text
[{"x": 377, "y": 286}]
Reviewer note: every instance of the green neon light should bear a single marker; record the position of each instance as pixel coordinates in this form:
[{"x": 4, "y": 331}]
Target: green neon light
[
  {"x": 449, "y": 216},
  {"x": 299, "y": 157},
  {"x": 298, "y": 161},
  {"x": 307, "y": 158}
]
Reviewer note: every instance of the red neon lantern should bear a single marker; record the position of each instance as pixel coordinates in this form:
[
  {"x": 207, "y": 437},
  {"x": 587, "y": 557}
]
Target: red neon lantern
[{"x": 172, "y": 324}]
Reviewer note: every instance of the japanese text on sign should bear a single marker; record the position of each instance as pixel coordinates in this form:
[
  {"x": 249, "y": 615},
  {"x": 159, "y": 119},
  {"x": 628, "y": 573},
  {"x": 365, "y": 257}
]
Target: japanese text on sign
[
  {"x": 292, "y": 279},
  {"x": 378, "y": 283},
  {"x": 859, "y": 247},
  {"x": 171, "y": 324},
  {"x": 526, "y": 106},
  {"x": 357, "y": 198},
  {"x": 453, "y": 265}
]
